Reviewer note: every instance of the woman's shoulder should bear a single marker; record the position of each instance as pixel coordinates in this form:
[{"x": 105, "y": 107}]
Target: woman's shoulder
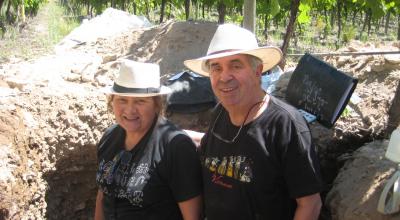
[
  {"x": 169, "y": 132},
  {"x": 111, "y": 129},
  {"x": 111, "y": 133},
  {"x": 166, "y": 128}
]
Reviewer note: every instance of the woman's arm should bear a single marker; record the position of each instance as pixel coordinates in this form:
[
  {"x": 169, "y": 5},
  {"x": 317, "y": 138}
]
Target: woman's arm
[
  {"x": 308, "y": 207},
  {"x": 98, "y": 214},
  {"x": 192, "y": 209}
]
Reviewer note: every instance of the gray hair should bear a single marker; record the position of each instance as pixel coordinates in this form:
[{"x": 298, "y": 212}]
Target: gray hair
[{"x": 253, "y": 60}]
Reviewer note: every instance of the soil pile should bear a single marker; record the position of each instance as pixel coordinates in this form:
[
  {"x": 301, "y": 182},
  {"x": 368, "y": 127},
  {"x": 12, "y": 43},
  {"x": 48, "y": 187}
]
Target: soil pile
[
  {"x": 373, "y": 113},
  {"x": 52, "y": 115}
]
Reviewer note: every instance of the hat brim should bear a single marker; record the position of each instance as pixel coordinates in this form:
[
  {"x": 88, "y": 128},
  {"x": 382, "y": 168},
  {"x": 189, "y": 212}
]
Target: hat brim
[
  {"x": 270, "y": 57},
  {"x": 110, "y": 91}
]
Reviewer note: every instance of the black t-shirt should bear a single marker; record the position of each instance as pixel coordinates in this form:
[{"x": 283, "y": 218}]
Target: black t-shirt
[
  {"x": 272, "y": 162},
  {"x": 148, "y": 181}
]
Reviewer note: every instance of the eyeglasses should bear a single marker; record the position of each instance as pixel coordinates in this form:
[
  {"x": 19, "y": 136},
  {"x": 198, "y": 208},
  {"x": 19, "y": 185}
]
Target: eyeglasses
[
  {"x": 231, "y": 141},
  {"x": 219, "y": 136}
]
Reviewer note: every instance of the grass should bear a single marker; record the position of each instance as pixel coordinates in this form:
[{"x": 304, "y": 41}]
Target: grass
[
  {"x": 60, "y": 24},
  {"x": 39, "y": 35}
]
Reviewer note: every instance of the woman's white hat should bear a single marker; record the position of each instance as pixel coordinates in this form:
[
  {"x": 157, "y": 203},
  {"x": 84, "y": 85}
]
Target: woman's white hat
[
  {"x": 138, "y": 80},
  {"x": 229, "y": 40}
]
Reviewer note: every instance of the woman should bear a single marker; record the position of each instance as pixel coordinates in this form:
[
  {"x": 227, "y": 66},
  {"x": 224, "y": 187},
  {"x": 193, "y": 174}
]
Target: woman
[{"x": 148, "y": 169}]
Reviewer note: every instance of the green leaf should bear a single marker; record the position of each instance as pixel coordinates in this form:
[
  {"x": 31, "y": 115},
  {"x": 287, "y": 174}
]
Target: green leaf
[
  {"x": 377, "y": 7},
  {"x": 275, "y": 8},
  {"x": 304, "y": 17}
]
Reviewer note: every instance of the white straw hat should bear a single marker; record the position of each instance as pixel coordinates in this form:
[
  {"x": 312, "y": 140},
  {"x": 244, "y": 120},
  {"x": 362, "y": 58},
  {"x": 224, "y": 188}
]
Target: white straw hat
[
  {"x": 229, "y": 40},
  {"x": 138, "y": 80}
]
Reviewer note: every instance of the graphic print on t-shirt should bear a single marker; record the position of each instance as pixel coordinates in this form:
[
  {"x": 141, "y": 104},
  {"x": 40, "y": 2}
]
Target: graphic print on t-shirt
[
  {"x": 236, "y": 167},
  {"x": 127, "y": 178}
]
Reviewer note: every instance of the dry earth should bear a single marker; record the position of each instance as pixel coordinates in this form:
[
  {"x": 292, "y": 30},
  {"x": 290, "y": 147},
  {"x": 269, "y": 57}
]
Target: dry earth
[{"x": 52, "y": 115}]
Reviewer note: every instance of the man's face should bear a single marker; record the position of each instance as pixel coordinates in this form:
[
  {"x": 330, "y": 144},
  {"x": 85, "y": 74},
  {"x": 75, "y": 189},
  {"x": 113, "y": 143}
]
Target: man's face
[{"x": 233, "y": 80}]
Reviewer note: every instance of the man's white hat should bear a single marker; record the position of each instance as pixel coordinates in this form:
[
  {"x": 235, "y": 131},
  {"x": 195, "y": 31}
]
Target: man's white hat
[
  {"x": 229, "y": 40},
  {"x": 138, "y": 80}
]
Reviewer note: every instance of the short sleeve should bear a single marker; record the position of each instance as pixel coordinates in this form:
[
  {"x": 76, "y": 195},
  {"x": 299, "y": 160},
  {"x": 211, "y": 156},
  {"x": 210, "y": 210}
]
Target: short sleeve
[
  {"x": 301, "y": 165},
  {"x": 112, "y": 137},
  {"x": 184, "y": 168}
]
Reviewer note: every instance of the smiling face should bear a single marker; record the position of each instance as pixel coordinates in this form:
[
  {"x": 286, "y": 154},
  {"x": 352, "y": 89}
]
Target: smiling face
[
  {"x": 134, "y": 114},
  {"x": 234, "y": 81}
]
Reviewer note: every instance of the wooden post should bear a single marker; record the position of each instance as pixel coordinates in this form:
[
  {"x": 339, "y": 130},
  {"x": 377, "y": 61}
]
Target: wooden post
[{"x": 249, "y": 15}]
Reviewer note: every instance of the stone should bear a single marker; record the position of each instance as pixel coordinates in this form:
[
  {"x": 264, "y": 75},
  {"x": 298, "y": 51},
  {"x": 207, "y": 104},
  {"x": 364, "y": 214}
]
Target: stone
[{"x": 357, "y": 188}]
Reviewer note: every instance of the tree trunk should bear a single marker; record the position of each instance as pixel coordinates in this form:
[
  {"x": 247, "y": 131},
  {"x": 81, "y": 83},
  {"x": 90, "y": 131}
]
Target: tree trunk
[
  {"x": 147, "y": 9},
  {"x": 91, "y": 11},
  {"x": 339, "y": 22},
  {"x": 187, "y": 9},
  {"x": 394, "y": 113},
  {"x": 88, "y": 7},
  {"x": 170, "y": 10},
  {"x": 333, "y": 18},
  {"x": 8, "y": 15},
  {"x": 123, "y": 5},
  {"x": 346, "y": 12},
  {"x": 369, "y": 21},
  {"x": 365, "y": 22},
  {"x": 163, "y": 2},
  {"x": 21, "y": 11},
  {"x": 354, "y": 17},
  {"x": 266, "y": 23},
  {"x": 378, "y": 24},
  {"x": 249, "y": 15},
  {"x": 387, "y": 22},
  {"x": 294, "y": 8},
  {"x": 221, "y": 12},
  {"x": 112, "y": 3},
  {"x": 134, "y": 8},
  {"x": 364, "y": 25},
  {"x": 197, "y": 8},
  {"x": 326, "y": 17},
  {"x": 1, "y": 4},
  {"x": 398, "y": 27},
  {"x": 202, "y": 10}
]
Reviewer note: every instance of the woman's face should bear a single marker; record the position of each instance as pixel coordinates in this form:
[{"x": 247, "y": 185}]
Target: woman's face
[{"x": 134, "y": 114}]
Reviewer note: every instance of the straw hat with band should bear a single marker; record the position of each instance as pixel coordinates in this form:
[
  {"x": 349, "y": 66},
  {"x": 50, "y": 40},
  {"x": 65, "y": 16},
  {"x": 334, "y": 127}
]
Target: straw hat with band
[
  {"x": 229, "y": 40},
  {"x": 137, "y": 79}
]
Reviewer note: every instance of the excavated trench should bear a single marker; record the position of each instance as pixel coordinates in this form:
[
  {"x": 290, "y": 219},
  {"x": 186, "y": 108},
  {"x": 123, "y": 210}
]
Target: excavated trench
[{"x": 69, "y": 182}]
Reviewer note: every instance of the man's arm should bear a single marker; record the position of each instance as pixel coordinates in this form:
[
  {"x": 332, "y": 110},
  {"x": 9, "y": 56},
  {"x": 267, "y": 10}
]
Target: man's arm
[
  {"x": 191, "y": 209},
  {"x": 308, "y": 207}
]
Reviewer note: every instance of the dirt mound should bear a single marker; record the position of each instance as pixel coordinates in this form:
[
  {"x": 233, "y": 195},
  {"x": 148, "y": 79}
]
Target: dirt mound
[
  {"x": 371, "y": 112},
  {"x": 52, "y": 115}
]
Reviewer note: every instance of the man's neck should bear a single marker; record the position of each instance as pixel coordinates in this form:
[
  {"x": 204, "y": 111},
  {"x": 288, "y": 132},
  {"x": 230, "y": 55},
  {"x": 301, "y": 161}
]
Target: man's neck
[{"x": 252, "y": 109}]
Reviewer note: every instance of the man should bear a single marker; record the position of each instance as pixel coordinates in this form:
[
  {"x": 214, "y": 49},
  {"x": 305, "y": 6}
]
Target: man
[{"x": 258, "y": 160}]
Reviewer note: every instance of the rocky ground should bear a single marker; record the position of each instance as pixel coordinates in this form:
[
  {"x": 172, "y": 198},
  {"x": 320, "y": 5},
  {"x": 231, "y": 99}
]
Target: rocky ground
[{"x": 52, "y": 115}]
